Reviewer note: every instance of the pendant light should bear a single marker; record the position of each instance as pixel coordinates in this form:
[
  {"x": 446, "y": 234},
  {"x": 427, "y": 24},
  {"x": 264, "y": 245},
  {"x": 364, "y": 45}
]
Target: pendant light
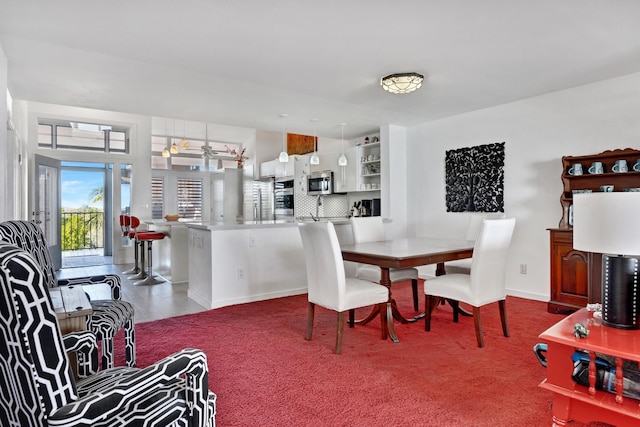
[
  {"x": 284, "y": 156},
  {"x": 165, "y": 152},
  {"x": 342, "y": 160},
  {"x": 174, "y": 147},
  {"x": 314, "y": 160},
  {"x": 184, "y": 144}
]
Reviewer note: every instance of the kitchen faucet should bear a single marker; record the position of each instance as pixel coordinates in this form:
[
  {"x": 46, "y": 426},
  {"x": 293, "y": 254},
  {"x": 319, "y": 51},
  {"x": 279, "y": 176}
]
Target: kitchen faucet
[{"x": 318, "y": 203}]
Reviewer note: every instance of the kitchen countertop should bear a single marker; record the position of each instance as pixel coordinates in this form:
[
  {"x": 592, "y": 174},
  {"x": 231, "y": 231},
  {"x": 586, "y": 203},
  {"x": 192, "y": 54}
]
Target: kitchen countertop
[{"x": 234, "y": 225}]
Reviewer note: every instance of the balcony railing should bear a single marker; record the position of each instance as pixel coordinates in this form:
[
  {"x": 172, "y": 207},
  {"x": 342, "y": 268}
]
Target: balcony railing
[{"x": 82, "y": 230}]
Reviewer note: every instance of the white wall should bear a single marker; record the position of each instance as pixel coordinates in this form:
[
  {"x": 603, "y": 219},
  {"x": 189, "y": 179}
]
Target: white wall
[
  {"x": 5, "y": 164},
  {"x": 538, "y": 132}
]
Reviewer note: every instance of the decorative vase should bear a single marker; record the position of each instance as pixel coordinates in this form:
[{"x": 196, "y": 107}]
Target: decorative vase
[{"x": 239, "y": 164}]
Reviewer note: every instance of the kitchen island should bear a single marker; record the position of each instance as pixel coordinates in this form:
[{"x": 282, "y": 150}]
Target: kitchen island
[{"x": 240, "y": 262}]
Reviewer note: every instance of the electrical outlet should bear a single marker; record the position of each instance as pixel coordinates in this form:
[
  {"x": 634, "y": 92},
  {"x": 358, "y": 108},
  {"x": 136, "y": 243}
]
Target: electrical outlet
[
  {"x": 252, "y": 241},
  {"x": 240, "y": 273},
  {"x": 523, "y": 268}
]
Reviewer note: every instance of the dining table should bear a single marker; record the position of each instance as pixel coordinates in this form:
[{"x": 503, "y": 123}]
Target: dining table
[{"x": 405, "y": 253}]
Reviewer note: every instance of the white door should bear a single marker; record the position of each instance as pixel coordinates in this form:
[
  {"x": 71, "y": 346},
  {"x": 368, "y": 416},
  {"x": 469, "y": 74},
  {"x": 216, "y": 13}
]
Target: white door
[{"x": 46, "y": 204}]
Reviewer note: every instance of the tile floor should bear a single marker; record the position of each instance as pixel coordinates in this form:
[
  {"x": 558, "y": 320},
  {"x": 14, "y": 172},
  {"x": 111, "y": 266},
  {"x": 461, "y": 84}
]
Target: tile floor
[{"x": 150, "y": 302}]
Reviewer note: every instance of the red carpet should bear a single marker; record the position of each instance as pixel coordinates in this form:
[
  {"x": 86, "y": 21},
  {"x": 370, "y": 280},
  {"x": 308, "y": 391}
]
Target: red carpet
[{"x": 265, "y": 373}]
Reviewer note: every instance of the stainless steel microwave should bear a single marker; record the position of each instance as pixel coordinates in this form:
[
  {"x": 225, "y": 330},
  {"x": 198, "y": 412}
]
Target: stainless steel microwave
[{"x": 320, "y": 183}]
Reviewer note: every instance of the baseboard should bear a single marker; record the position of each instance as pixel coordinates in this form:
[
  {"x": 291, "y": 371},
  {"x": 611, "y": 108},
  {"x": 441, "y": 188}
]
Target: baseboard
[
  {"x": 259, "y": 297},
  {"x": 528, "y": 295}
]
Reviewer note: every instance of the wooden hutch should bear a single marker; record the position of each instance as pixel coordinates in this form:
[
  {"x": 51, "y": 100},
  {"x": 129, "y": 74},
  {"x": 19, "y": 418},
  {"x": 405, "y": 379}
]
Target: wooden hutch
[{"x": 576, "y": 275}]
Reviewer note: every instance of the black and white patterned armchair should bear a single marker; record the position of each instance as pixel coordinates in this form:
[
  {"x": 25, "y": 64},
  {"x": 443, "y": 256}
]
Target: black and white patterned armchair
[
  {"x": 36, "y": 384},
  {"x": 109, "y": 316}
]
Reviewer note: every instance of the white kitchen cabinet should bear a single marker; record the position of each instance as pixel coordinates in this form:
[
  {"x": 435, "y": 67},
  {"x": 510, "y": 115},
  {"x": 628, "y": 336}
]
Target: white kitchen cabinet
[
  {"x": 286, "y": 169},
  {"x": 346, "y": 177},
  {"x": 278, "y": 169},
  {"x": 268, "y": 169}
]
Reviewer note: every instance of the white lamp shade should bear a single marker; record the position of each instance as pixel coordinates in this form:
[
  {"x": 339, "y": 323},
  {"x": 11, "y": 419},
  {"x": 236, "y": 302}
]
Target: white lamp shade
[
  {"x": 315, "y": 160},
  {"x": 607, "y": 223},
  {"x": 283, "y": 157}
]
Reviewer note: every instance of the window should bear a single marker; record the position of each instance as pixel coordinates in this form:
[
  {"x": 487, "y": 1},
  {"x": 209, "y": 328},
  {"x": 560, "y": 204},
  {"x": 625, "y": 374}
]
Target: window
[
  {"x": 190, "y": 198},
  {"x": 190, "y": 154},
  {"x": 58, "y": 135},
  {"x": 157, "y": 198}
]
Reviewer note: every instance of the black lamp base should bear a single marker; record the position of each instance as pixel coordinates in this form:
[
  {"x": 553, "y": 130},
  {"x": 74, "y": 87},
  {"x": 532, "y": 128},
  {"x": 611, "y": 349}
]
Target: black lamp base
[{"x": 620, "y": 292}]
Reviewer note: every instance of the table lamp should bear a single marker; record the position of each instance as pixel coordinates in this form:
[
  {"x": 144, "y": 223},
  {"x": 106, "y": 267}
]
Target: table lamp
[{"x": 609, "y": 223}]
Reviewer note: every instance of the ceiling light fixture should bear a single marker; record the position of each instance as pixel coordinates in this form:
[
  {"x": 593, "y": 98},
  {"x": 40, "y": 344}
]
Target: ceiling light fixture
[
  {"x": 284, "y": 156},
  {"x": 165, "y": 153},
  {"x": 401, "y": 82},
  {"x": 314, "y": 160},
  {"x": 342, "y": 160}
]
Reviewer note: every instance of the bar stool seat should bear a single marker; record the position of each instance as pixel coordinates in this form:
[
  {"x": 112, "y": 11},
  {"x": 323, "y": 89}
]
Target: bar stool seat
[{"x": 148, "y": 237}]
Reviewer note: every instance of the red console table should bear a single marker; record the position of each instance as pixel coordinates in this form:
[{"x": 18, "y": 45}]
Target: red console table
[{"x": 572, "y": 401}]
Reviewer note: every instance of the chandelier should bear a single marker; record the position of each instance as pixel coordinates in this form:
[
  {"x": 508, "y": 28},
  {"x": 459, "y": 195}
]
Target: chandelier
[{"x": 402, "y": 82}]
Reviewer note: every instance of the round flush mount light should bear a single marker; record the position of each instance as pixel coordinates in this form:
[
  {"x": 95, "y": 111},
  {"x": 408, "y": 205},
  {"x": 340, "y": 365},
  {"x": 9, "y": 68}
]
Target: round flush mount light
[{"x": 401, "y": 82}]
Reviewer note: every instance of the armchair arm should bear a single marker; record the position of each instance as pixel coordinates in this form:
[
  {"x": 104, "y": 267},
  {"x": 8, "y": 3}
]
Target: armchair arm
[
  {"x": 117, "y": 399},
  {"x": 112, "y": 280},
  {"x": 84, "y": 344}
]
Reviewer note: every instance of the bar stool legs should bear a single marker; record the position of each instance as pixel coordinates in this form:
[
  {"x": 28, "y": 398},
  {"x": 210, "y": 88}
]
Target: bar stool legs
[
  {"x": 136, "y": 266},
  {"x": 142, "y": 274},
  {"x": 150, "y": 278}
]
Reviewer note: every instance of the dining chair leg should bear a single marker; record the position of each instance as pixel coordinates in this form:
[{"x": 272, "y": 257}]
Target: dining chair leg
[
  {"x": 340, "y": 330},
  {"x": 428, "y": 301},
  {"x": 414, "y": 288},
  {"x": 352, "y": 317},
  {"x": 456, "y": 309},
  {"x": 310, "y": 313},
  {"x": 476, "y": 322},
  {"x": 503, "y": 317}
]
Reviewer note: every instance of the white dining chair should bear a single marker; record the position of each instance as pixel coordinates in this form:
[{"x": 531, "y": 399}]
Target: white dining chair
[
  {"x": 463, "y": 266},
  {"x": 371, "y": 229},
  {"x": 328, "y": 286},
  {"x": 486, "y": 282}
]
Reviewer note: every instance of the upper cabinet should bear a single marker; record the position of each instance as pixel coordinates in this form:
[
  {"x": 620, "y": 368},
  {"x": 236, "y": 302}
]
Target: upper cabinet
[
  {"x": 370, "y": 166},
  {"x": 345, "y": 177},
  {"x": 613, "y": 170}
]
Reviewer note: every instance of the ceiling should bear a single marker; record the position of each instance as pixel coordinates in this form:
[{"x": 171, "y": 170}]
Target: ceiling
[{"x": 242, "y": 63}]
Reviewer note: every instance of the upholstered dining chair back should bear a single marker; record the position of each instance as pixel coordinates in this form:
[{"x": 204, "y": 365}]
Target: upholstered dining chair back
[
  {"x": 489, "y": 260},
  {"x": 30, "y": 237},
  {"x": 325, "y": 269},
  {"x": 32, "y": 358},
  {"x": 475, "y": 223},
  {"x": 368, "y": 229},
  {"x": 371, "y": 229}
]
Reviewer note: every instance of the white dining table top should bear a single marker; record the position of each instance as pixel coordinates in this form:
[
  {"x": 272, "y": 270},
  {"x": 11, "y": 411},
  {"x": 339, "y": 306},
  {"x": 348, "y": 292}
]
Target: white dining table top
[{"x": 403, "y": 248}]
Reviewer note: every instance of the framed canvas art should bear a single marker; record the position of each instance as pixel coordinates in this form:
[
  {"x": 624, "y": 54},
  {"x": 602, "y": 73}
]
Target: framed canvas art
[{"x": 475, "y": 178}]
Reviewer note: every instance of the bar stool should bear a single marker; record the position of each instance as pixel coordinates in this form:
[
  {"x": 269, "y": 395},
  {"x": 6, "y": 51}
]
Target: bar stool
[{"x": 148, "y": 237}]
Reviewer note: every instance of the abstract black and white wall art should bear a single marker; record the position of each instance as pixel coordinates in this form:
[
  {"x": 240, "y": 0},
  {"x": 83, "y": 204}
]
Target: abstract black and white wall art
[{"x": 475, "y": 178}]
